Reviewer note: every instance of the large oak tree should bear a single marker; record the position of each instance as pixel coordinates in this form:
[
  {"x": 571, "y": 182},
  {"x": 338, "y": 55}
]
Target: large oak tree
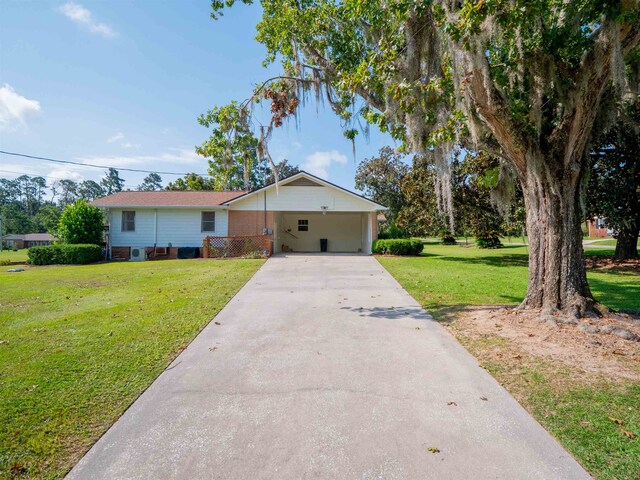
[{"x": 530, "y": 81}]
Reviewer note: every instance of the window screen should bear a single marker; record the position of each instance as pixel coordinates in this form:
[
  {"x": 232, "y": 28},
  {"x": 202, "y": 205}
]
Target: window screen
[
  {"x": 303, "y": 225},
  {"x": 128, "y": 221},
  {"x": 208, "y": 221}
]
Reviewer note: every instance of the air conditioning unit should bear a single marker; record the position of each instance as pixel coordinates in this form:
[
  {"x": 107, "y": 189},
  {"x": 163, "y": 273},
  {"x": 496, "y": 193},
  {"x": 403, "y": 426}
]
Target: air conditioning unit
[{"x": 137, "y": 255}]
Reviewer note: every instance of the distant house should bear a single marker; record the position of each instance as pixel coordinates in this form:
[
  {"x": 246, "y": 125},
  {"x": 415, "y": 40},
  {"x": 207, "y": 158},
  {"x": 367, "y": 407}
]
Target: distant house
[
  {"x": 598, "y": 228},
  {"x": 26, "y": 240},
  {"x": 293, "y": 216}
]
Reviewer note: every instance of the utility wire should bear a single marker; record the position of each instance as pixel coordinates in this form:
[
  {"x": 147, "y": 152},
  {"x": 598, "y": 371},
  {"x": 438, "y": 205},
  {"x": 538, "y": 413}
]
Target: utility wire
[{"x": 69, "y": 162}]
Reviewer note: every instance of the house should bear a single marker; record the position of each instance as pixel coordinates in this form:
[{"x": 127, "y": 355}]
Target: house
[
  {"x": 296, "y": 215},
  {"x": 598, "y": 228},
  {"x": 26, "y": 240}
]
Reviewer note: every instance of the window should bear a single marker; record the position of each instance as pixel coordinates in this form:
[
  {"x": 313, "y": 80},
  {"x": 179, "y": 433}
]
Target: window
[
  {"x": 303, "y": 225},
  {"x": 128, "y": 221},
  {"x": 208, "y": 223}
]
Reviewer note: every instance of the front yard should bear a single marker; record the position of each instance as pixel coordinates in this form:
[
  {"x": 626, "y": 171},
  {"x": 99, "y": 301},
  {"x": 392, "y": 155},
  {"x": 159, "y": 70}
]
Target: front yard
[
  {"x": 79, "y": 343},
  {"x": 584, "y": 389},
  {"x": 18, "y": 256}
]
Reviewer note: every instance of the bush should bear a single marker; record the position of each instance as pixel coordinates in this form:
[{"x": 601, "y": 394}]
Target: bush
[
  {"x": 392, "y": 232},
  {"x": 5, "y": 262},
  {"x": 488, "y": 240},
  {"x": 397, "y": 246},
  {"x": 447, "y": 238},
  {"x": 65, "y": 254},
  {"x": 81, "y": 223}
]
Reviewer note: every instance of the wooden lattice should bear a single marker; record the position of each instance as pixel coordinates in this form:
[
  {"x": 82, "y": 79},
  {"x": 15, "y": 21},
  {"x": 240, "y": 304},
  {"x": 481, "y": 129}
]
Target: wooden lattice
[{"x": 241, "y": 246}]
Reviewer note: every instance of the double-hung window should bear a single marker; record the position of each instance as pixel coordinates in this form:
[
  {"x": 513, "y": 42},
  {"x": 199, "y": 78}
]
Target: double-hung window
[
  {"x": 208, "y": 222},
  {"x": 128, "y": 221},
  {"x": 303, "y": 225}
]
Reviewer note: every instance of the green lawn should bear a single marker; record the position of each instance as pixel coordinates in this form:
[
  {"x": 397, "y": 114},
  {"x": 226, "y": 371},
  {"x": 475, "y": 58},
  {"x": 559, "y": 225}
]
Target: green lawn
[
  {"x": 17, "y": 256},
  {"x": 80, "y": 343},
  {"x": 445, "y": 279},
  {"x": 574, "y": 407}
]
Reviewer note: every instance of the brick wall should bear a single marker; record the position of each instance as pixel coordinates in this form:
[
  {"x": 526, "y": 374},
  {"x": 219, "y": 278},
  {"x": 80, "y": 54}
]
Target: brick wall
[
  {"x": 122, "y": 253},
  {"x": 249, "y": 222},
  {"x": 596, "y": 232},
  {"x": 374, "y": 226}
]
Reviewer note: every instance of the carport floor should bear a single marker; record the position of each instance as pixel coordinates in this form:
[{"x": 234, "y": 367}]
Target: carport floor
[{"x": 324, "y": 367}]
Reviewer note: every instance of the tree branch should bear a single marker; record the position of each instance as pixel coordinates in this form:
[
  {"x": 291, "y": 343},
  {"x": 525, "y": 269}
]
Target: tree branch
[{"x": 493, "y": 109}]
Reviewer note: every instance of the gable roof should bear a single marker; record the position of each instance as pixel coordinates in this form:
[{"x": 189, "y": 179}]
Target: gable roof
[
  {"x": 294, "y": 179},
  {"x": 168, "y": 198}
]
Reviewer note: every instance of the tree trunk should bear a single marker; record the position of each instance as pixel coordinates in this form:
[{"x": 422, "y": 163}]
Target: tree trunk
[
  {"x": 557, "y": 274},
  {"x": 627, "y": 244}
]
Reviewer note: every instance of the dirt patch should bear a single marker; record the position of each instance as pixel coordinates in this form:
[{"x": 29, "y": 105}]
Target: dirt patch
[
  {"x": 510, "y": 336},
  {"x": 610, "y": 263}
]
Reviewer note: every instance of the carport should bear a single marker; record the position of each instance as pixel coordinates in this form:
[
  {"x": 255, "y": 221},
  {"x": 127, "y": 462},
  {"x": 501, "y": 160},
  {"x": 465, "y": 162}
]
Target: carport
[
  {"x": 302, "y": 210},
  {"x": 345, "y": 232}
]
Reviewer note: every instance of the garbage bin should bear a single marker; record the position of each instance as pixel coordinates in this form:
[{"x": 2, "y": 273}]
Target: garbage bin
[{"x": 323, "y": 244}]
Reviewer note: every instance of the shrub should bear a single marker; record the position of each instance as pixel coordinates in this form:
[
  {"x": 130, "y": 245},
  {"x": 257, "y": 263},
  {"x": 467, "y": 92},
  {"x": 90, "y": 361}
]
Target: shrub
[
  {"x": 81, "y": 223},
  {"x": 488, "y": 239},
  {"x": 397, "y": 246},
  {"x": 447, "y": 238},
  {"x": 65, "y": 254},
  {"x": 391, "y": 231},
  {"x": 5, "y": 261}
]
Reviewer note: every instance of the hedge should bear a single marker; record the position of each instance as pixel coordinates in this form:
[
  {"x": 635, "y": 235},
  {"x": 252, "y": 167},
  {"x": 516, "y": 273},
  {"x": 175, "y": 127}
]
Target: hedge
[
  {"x": 77, "y": 254},
  {"x": 397, "y": 246}
]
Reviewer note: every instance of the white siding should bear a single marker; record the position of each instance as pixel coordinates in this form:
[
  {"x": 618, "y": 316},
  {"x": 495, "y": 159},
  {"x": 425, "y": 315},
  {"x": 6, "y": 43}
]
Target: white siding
[
  {"x": 304, "y": 199},
  {"x": 178, "y": 226}
]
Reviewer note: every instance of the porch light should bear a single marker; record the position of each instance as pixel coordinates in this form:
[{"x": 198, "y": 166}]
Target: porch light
[{"x": 324, "y": 209}]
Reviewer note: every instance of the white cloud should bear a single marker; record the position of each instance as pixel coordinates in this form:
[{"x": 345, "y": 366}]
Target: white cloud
[
  {"x": 119, "y": 137},
  {"x": 318, "y": 162},
  {"x": 176, "y": 159},
  {"x": 82, "y": 16},
  {"x": 15, "y": 109},
  {"x": 116, "y": 137}
]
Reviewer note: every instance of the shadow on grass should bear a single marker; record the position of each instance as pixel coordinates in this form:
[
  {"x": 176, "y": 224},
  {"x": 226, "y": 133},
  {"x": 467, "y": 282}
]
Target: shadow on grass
[
  {"x": 510, "y": 260},
  {"x": 618, "y": 295}
]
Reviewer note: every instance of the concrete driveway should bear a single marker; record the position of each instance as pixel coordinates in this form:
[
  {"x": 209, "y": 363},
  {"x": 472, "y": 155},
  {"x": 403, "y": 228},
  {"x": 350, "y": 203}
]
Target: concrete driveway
[{"x": 324, "y": 367}]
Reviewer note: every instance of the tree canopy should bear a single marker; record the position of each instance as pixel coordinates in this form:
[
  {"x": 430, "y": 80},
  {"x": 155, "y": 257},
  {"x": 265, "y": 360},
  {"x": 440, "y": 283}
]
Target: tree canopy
[{"x": 531, "y": 82}]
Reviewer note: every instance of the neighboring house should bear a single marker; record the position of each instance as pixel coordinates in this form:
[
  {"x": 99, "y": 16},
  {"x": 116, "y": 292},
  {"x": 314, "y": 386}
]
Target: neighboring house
[
  {"x": 294, "y": 216},
  {"x": 26, "y": 240},
  {"x": 598, "y": 228}
]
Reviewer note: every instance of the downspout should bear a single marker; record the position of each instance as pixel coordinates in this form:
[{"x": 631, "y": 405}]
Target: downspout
[
  {"x": 265, "y": 211},
  {"x": 155, "y": 229}
]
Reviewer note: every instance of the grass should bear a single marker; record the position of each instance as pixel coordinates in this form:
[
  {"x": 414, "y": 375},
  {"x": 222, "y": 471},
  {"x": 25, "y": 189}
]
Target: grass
[
  {"x": 17, "y": 256},
  {"x": 446, "y": 279},
  {"x": 80, "y": 343},
  {"x": 573, "y": 407}
]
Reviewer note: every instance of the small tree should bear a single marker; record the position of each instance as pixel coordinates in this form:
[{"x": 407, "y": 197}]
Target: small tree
[{"x": 81, "y": 223}]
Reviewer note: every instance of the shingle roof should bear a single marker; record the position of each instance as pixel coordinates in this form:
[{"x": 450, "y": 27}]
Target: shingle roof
[
  {"x": 167, "y": 198},
  {"x": 38, "y": 237},
  {"x": 30, "y": 237}
]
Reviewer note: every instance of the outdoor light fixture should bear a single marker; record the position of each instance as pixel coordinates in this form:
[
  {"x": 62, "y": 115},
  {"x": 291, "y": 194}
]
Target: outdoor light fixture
[{"x": 324, "y": 209}]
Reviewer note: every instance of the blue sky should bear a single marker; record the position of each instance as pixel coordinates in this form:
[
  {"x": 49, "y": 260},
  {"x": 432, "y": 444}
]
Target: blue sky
[{"x": 121, "y": 83}]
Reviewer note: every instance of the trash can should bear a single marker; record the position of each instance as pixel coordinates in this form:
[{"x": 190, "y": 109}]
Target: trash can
[{"x": 323, "y": 244}]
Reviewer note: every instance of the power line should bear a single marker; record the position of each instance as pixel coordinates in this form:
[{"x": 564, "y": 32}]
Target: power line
[{"x": 69, "y": 162}]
